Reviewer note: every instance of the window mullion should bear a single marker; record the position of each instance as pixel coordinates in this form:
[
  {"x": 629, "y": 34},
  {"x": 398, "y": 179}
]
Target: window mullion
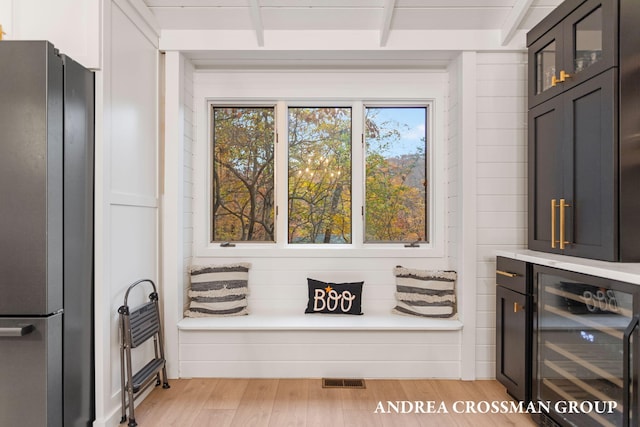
[
  {"x": 357, "y": 174},
  {"x": 281, "y": 170}
]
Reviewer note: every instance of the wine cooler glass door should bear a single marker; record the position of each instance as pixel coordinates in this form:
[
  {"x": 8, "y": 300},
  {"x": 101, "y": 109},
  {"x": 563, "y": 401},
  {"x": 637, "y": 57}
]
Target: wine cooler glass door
[{"x": 585, "y": 330}]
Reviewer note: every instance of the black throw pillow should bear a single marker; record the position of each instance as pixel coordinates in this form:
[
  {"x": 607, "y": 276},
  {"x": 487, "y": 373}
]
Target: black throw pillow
[{"x": 334, "y": 298}]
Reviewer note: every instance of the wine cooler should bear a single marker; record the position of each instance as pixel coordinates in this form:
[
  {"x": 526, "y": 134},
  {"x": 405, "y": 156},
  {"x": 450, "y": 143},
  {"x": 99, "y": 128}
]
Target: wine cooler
[{"x": 586, "y": 349}]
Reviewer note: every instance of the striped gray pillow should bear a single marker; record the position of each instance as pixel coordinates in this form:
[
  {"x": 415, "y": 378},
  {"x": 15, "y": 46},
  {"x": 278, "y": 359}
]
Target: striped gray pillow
[
  {"x": 218, "y": 290},
  {"x": 425, "y": 293}
]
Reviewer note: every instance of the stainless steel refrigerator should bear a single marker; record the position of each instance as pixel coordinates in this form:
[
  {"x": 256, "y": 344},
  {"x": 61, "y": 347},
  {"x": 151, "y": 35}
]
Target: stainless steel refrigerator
[{"x": 46, "y": 237}]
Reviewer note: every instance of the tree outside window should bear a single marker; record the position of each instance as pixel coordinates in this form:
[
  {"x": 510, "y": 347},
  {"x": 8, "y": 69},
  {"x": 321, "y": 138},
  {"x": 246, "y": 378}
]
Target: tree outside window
[
  {"x": 319, "y": 203},
  {"x": 319, "y": 193},
  {"x": 243, "y": 200},
  {"x": 396, "y": 184}
]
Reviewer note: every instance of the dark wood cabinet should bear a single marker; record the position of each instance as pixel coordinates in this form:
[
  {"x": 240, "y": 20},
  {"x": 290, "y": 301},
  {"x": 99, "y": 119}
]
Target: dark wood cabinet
[
  {"x": 566, "y": 336},
  {"x": 511, "y": 347},
  {"x": 573, "y": 44},
  {"x": 545, "y": 157},
  {"x": 583, "y": 127},
  {"x": 572, "y": 162},
  {"x": 513, "y": 328}
]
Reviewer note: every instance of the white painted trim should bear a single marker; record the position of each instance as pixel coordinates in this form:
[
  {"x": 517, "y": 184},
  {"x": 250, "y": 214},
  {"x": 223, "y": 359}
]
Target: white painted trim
[
  {"x": 172, "y": 206},
  {"x": 385, "y": 25},
  {"x": 113, "y": 418},
  {"x": 298, "y": 321},
  {"x": 467, "y": 232},
  {"x": 320, "y": 353},
  {"x": 142, "y": 18},
  {"x": 515, "y": 17},
  {"x": 109, "y": 420},
  {"x": 95, "y": 36},
  {"x": 256, "y": 20},
  {"x": 292, "y": 87},
  {"x": 102, "y": 226},
  {"x": 387, "y": 369},
  {"x": 102, "y": 317},
  {"x": 359, "y": 40},
  {"x": 129, "y": 199}
]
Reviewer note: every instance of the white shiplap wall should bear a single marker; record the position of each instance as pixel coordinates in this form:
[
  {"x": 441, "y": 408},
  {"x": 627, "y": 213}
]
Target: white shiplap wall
[
  {"x": 188, "y": 142},
  {"x": 501, "y": 182},
  {"x": 498, "y": 81},
  {"x": 453, "y": 181},
  {"x": 279, "y": 282},
  {"x": 315, "y": 354}
]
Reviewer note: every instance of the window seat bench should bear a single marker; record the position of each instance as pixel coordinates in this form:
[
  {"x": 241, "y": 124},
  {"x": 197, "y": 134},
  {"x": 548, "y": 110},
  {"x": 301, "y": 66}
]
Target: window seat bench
[
  {"x": 285, "y": 344},
  {"x": 295, "y": 321},
  {"x": 278, "y": 340}
]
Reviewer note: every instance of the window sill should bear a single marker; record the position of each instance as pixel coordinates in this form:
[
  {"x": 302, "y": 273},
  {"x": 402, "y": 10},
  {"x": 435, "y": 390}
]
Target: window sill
[{"x": 266, "y": 250}]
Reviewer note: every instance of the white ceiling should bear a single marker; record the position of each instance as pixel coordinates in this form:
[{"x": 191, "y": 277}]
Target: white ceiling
[
  {"x": 383, "y": 16},
  {"x": 345, "y": 14}
]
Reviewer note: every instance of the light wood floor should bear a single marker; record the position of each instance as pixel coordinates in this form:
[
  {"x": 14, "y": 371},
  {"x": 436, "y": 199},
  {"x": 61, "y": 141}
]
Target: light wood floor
[{"x": 303, "y": 402}]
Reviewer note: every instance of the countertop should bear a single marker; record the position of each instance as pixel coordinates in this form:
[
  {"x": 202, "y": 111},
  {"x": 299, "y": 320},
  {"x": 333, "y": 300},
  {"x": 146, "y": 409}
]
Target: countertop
[{"x": 624, "y": 272}]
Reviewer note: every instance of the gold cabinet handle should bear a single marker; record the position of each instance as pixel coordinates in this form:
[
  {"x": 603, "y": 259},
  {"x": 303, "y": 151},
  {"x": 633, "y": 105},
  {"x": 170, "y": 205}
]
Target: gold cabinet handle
[
  {"x": 517, "y": 307},
  {"x": 554, "y": 205},
  {"x": 563, "y": 77},
  {"x": 506, "y": 273},
  {"x": 563, "y": 206}
]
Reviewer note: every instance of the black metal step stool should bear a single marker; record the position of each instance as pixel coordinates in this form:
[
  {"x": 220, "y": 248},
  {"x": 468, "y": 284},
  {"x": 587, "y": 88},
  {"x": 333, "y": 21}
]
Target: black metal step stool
[{"x": 136, "y": 327}]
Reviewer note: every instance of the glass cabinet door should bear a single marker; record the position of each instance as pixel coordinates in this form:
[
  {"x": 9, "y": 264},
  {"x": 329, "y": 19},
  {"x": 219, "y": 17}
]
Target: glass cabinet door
[
  {"x": 587, "y": 32},
  {"x": 584, "y": 338},
  {"x": 577, "y": 48},
  {"x": 589, "y": 42},
  {"x": 545, "y": 62},
  {"x": 546, "y": 67}
]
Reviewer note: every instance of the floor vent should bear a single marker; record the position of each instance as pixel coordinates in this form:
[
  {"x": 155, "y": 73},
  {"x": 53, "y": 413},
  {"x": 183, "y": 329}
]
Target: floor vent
[
  {"x": 547, "y": 421},
  {"x": 343, "y": 383}
]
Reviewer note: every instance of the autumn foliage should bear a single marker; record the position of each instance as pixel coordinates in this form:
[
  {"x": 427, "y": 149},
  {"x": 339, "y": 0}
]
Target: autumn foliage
[{"x": 319, "y": 189}]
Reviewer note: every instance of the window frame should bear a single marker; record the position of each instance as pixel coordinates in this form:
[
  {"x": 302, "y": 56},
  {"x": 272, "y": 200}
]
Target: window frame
[
  {"x": 428, "y": 106},
  {"x": 330, "y": 88},
  {"x": 358, "y": 248},
  {"x": 286, "y": 170},
  {"x": 210, "y": 228}
]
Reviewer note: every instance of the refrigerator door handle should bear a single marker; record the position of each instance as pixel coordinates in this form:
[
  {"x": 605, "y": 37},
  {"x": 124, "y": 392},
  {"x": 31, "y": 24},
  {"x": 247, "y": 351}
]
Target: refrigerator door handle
[{"x": 16, "y": 331}]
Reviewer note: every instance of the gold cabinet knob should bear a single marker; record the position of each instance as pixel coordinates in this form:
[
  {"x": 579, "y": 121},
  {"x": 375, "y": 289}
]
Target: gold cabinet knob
[{"x": 564, "y": 76}]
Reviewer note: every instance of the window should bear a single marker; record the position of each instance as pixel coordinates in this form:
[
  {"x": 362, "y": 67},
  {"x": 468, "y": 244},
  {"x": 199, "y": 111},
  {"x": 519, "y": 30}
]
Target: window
[
  {"x": 311, "y": 176},
  {"x": 243, "y": 196},
  {"x": 319, "y": 175},
  {"x": 395, "y": 183}
]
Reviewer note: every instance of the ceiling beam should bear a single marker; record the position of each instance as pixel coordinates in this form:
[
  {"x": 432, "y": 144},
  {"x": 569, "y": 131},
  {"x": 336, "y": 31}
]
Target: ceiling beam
[
  {"x": 338, "y": 40},
  {"x": 256, "y": 19},
  {"x": 385, "y": 27},
  {"x": 515, "y": 17}
]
